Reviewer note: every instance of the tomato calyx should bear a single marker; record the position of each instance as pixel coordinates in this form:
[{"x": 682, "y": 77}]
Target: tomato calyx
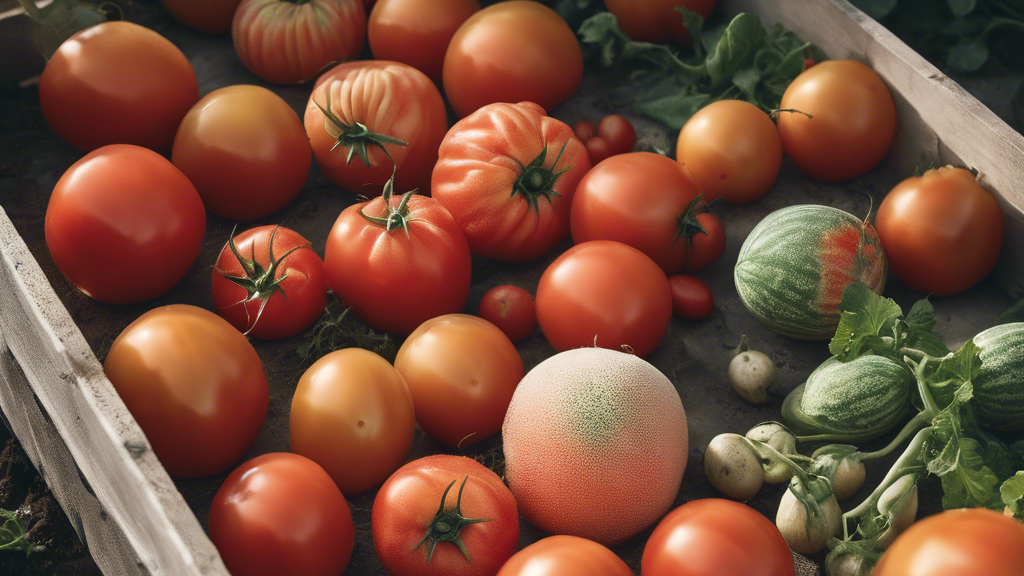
[
  {"x": 447, "y": 525},
  {"x": 356, "y": 136},
  {"x": 689, "y": 225},
  {"x": 535, "y": 180},
  {"x": 395, "y": 216}
]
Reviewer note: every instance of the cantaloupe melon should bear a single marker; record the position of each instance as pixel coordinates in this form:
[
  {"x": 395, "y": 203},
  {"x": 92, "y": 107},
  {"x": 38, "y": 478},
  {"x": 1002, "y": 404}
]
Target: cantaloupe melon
[{"x": 595, "y": 444}]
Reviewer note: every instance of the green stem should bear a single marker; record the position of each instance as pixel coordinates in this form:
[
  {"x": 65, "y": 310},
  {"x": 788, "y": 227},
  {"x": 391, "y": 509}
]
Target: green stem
[
  {"x": 916, "y": 423},
  {"x": 998, "y": 23},
  {"x": 766, "y": 452},
  {"x": 930, "y": 407}
]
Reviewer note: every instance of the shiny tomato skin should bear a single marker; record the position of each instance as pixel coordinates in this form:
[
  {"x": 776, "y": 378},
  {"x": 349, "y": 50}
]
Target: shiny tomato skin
[
  {"x": 462, "y": 372},
  {"x": 607, "y": 294},
  {"x": 853, "y": 120},
  {"x": 657, "y": 20},
  {"x": 124, "y": 225},
  {"x": 487, "y": 155},
  {"x": 565, "y": 556},
  {"x": 389, "y": 98},
  {"x": 295, "y": 306},
  {"x": 512, "y": 51},
  {"x": 584, "y": 130},
  {"x": 280, "y": 513},
  {"x": 941, "y": 232},
  {"x": 195, "y": 386},
  {"x": 716, "y": 537},
  {"x": 353, "y": 414},
  {"x": 619, "y": 133},
  {"x": 511, "y": 309},
  {"x": 637, "y": 199},
  {"x": 962, "y": 542},
  {"x": 287, "y": 42},
  {"x": 691, "y": 297},
  {"x": 706, "y": 247},
  {"x": 209, "y": 16},
  {"x": 117, "y": 83},
  {"x": 598, "y": 150},
  {"x": 243, "y": 170},
  {"x": 407, "y": 504},
  {"x": 417, "y": 32}
]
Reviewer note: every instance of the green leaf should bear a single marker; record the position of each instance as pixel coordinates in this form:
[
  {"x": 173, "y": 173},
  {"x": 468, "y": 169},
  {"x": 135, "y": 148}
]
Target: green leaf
[
  {"x": 877, "y": 9},
  {"x": 967, "y": 55},
  {"x": 574, "y": 12},
  {"x": 921, "y": 323},
  {"x": 747, "y": 80},
  {"x": 676, "y": 109},
  {"x": 865, "y": 317},
  {"x": 14, "y": 533},
  {"x": 694, "y": 25},
  {"x": 948, "y": 380},
  {"x": 961, "y": 8},
  {"x": 736, "y": 48},
  {"x": 61, "y": 20},
  {"x": 1012, "y": 493},
  {"x": 922, "y": 315}
]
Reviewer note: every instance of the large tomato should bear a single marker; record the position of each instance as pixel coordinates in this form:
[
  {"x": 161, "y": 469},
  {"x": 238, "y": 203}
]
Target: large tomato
[
  {"x": 194, "y": 384},
  {"x": 243, "y": 169},
  {"x": 268, "y": 283},
  {"x": 209, "y": 16},
  {"x": 957, "y": 543},
  {"x": 444, "y": 516},
  {"x": 565, "y": 556},
  {"x": 511, "y": 52},
  {"x": 645, "y": 200},
  {"x": 507, "y": 173},
  {"x": 398, "y": 262},
  {"x": 941, "y": 232},
  {"x": 716, "y": 537},
  {"x": 369, "y": 119},
  {"x": 117, "y": 83},
  {"x": 657, "y": 20},
  {"x": 844, "y": 120},
  {"x": 124, "y": 225},
  {"x": 417, "y": 32},
  {"x": 280, "y": 513},
  {"x": 285, "y": 42}
]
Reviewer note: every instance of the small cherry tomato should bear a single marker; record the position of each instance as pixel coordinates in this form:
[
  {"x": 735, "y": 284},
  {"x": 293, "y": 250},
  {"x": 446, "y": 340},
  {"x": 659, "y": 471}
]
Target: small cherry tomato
[
  {"x": 511, "y": 309},
  {"x": 691, "y": 298},
  {"x": 707, "y": 246},
  {"x": 598, "y": 149},
  {"x": 565, "y": 556},
  {"x": 584, "y": 130},
  {"x": 619, "y": 133}
]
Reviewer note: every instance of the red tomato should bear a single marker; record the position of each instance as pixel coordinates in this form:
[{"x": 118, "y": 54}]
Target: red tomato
[
  {"x": 604, "y": 293},
  {"x": 514, "y": 148},
  {"x": 642, "y": 199},
  {"x": 511, "y": 309},
  {"x": 706, "y": 246},
  {"x": 432, "y": 507},
  {"x": 584, "y": 130},
  {"x": 691, "y": 298},
  {"x": 852, "y": 123},
  {"x": 209, "y": 16},
  {"x": 565, "y": 556},
  {"x": 716, "y": 537},
  {"x": 117, "y": 83},
  {"x": 243, "y": 170},
  {"x": 195, "y": 386},
  {"x": 462, "y": 372},
  {"x": 269, "y": 293},
  {"x": 512, "y": 52},
  {"x": 124, "y": 225},
  {"x": 398, "y": 262},
  {"x": 619, "y": 133},
  {"x": 734, "y": 150},
  {"x": 417, "y": 32},
  {"x": 286, "y": 42},
  {"x": 957, "y": 543},
  {"x": 280, "y": 513},
  {"x": 598, "y": 149},
  {"x": 369, "y": 119},
  {"x": 657, "y": 20},
  {"x": 352, "y": 414}
]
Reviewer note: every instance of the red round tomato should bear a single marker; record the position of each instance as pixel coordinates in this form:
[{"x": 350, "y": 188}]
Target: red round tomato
[
  {"x": 417, "y": 32},
  {"x": 280, "y": 513},
  {"x": 941, "y": 232},
  {"x": 733, "y": 149},
  {"x": 957, "y": 543},
  {"x": 705, "y": 246},
  {"x": 286, "y": 42},
  {"x": 124, "y": 225},
  {"x": 657, "y": 20},
  {"x": 195, "y": 386},
  {"x": 505, "y": 148},
  {"x": 117, "y": 83},
  {"x": 691, "y": 298},
  {"x": 565, "y": 556},
  {"x": 352, "y": 414},
  {"x": 511, "y": 309},
  {"x": 606, "y": 294},
  {"x": 716, "y": 537},
  {"x": 846, "y": 121},
  {"x": 619, "y": 133},
  {"x": 208, "y": 16},
  {"x": 598, "y": 150},
  {"x": 584, "y": 130},
  {"x": 512, "y": 52},
  {"x": 641, "y": 199},
  {"x": 398, "y": 262},
  {"x": 269, "y": 284},
  {"x": 368, "y": 119},
  {"x": 462, "y": 372},
  {"x": 443, "y": 516}
]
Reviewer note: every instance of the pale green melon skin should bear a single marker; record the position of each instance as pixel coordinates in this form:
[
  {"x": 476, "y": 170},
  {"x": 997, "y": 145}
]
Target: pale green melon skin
[
  {"x": 859, "y": 394},
  {"x": 999, "y": 386}
]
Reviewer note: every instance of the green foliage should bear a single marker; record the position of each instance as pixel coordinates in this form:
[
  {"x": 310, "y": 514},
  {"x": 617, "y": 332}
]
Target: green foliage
[
  {"x": 14, "y": 533},
  {"x": 60, "y": 20},
  {"x": 1012, "y": 492},
  {"x": 337, "y": 330}
]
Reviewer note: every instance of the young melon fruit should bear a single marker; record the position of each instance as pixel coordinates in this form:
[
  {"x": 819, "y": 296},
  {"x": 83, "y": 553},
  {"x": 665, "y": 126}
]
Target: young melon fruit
[{"x": 595, "y": 444}]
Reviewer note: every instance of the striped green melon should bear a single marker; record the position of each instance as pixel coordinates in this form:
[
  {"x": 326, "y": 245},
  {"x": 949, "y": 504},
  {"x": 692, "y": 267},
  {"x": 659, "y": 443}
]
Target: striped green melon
[
  {"x": 999, "y": 385},
  {"x": 795, "y": 264}
]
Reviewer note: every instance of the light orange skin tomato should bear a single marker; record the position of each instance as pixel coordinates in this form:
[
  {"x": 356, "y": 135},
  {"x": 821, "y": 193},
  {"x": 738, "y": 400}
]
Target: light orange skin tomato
[
  {"x": 417, "y": 32},
  {"x": 941, "y": 232},
  {"x": 117, "y": 83},
  {"x": 462, "y": 372},
  {"x": 195, "y": 386},
  {"x": 353, "y": 414},
  {"x": 389, "y": 98},
  {"x": 286, "y": 42},
  {"x": 208, "y": 16},
  {"x": 853, "y": 120},
  {"x": 243, "y": 169},
  {"x": 657, "y": 20},
  {"x": 512, "y": 52},
  {"x": 565, "y": 556},
  {"x": 733, "y": 149}
]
